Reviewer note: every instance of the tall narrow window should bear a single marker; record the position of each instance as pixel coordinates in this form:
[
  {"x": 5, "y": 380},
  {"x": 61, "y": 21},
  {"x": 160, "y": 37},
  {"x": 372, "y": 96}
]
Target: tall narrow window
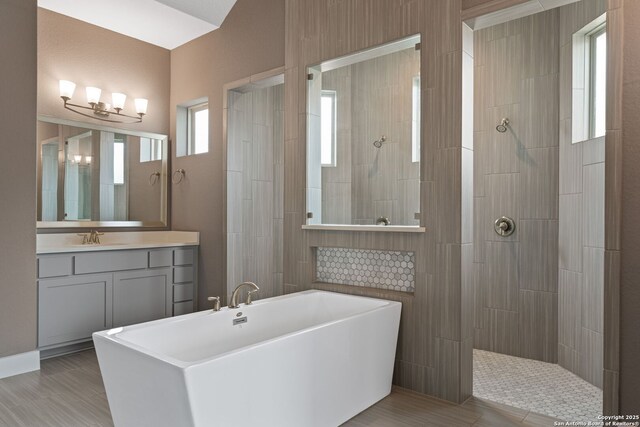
[
  {"x": 118, "y": 162},
  {"x": 328, "y": 128},
  {"x": 198, "y": 129},
  {"x": 589, "y": 81},
  {"x": 150, "y": 149},
  {"x": 415, "y": 120},
  {"x": 598, "y": 77}
]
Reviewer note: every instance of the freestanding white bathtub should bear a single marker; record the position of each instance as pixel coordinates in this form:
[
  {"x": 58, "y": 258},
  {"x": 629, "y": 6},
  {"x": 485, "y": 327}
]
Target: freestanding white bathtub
[{"x": 312, "y": 358}]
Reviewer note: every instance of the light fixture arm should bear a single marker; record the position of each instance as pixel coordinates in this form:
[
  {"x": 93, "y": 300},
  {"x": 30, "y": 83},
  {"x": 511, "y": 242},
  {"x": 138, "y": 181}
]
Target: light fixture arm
[{"x": 99, "y": 109}]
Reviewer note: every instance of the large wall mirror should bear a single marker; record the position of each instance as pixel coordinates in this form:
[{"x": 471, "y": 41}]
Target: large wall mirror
[
  {"x": 95, "y": 176},
  {"x": 363, "y": 137}
]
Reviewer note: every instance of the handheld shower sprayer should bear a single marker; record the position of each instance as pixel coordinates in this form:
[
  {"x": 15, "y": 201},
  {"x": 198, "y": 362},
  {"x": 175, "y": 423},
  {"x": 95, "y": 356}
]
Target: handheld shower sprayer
[
  {"x": 378, "y": 143},
  {"x": 502, "y": 127}
]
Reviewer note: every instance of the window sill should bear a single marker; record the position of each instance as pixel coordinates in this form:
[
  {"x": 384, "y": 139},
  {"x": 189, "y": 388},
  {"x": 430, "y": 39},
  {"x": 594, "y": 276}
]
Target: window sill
[
  {"x": 374, "y": 228},
  {"x": 596, "y": 139}
]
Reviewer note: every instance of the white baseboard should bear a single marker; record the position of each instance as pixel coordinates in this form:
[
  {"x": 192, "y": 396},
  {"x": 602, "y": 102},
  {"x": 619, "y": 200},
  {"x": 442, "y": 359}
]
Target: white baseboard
[{"x": 19, "y": 363}]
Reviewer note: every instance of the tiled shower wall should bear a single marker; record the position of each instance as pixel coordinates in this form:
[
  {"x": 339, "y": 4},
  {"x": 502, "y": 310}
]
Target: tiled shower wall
[
  {"x": 255, "y": 189},
  {"x": 516, "y": 175},
  {"x": 581, "y": 242},
  {"x": 374, "y": 98}
]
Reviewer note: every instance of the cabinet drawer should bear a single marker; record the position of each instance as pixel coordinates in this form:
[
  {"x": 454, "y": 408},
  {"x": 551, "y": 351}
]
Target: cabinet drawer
[
  {"x": 183, "y": 292},
  {"x": 180, "y": 308},
  {"x": 182, "y": 256},
  {"x": 182, "y": 274},
  {"x": 160, "y": 258},
  {"x": 100, "y": 262},
  {"x": 54, "y": 266}
]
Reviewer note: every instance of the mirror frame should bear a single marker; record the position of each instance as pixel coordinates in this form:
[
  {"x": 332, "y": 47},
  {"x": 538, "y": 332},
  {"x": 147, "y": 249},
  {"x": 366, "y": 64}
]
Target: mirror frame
[{"x": 163, "y": 224}]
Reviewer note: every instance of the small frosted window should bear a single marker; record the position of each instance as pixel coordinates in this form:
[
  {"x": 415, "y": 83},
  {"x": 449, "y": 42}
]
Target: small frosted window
[
  {"x": 415, "y": 120},
  {"x": 198, "y": 131},
  {"x": 328, "y": 128},
  {"x": 598, "y": 82},
  {"x": 118, "y": 162}
]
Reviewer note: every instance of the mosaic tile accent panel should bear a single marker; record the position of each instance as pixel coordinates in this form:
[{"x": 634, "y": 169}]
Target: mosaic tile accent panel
[
  {"x": 390, "y": 270},
  {"x": 541, "y": 387}
]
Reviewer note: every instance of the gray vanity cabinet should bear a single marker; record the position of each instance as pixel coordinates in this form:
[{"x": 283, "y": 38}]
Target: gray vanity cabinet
[
  {"x": 72, "y": 308},
  {"x": 141, "y": 296},
  {"x": 84, "y": 292}
]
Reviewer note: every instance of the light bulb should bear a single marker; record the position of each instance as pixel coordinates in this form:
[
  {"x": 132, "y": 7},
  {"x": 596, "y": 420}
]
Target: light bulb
[
  {"x": 87, "y": 159},
  {"x": 67, "y": 88},
  {"x": 93, "y": 95},
  {"x": 77, "y": 158},
  {"x": 141, "y": 105},
  {"x": 118, "y": 100}
]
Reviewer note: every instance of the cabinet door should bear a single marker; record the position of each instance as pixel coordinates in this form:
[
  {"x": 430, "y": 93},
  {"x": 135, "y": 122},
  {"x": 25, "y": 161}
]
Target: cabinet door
[
  {"x": 141, "y": 296},
  {"x": 72, "y": 308}
]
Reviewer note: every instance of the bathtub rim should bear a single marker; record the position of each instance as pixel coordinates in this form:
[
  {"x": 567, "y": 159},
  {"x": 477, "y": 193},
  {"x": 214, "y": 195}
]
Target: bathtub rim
[{"x": 111, "y": 335}]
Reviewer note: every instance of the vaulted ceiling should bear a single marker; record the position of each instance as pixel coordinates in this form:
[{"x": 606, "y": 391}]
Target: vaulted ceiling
[{"x": 165, "y": 23}]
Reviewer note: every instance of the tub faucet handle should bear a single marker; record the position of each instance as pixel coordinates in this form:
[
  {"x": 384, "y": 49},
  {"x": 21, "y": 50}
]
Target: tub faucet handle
[
  {"x": 248, "y": 301},
  {"x": 216, "y": 303}
]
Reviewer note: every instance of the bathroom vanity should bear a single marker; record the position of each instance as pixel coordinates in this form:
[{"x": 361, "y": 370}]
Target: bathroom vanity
[{"x": 128, "y": 278}]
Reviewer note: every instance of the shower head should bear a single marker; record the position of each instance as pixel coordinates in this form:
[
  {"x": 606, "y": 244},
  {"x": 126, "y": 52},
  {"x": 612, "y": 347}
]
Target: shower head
[
  {"x": 502, "y": 127},
  {"x": 378, "y": 143}
]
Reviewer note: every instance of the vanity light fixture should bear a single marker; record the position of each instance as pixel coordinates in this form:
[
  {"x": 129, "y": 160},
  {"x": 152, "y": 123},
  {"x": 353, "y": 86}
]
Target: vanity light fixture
[{"x": 101, "y": 110}]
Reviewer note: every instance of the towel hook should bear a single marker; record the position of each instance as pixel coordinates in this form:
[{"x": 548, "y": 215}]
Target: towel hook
[
  {"x": 153, "y": 178},
  {"x": 180, "y": 173}
]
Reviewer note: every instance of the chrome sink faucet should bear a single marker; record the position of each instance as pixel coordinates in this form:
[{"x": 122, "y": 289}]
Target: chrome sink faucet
[{"x": 234, "y": 295}]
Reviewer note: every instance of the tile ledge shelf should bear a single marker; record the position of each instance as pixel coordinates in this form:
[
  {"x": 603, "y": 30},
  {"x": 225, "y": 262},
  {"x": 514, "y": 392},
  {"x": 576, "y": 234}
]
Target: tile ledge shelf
[{"x": 377, "y": 228}]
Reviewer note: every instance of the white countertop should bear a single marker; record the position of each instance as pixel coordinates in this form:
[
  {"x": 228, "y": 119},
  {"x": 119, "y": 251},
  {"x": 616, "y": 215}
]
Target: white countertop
[{"x": 71, "y": 242}]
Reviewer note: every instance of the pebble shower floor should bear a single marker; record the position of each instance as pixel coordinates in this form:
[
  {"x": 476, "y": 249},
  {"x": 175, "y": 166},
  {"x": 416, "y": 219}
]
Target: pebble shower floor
[{"x": 537, "y": 386}]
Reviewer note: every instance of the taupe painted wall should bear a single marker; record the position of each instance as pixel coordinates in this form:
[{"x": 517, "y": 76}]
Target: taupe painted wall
[
  {"x": 88, "y": 55},
  {"x": 18, "y": 176},
  {"x": 250, "y": 41},
  {"x": 516, "y": 175},
  {"x": 581, "y": 213},
  {"x": 145, "y": 200},
  {"x": 630, "y": 242}
]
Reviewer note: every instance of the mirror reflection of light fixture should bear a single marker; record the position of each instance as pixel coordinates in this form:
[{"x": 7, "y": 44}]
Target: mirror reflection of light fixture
[
  {"x": 77, "y": 159},
  {"x": 101, "y": 110}
]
